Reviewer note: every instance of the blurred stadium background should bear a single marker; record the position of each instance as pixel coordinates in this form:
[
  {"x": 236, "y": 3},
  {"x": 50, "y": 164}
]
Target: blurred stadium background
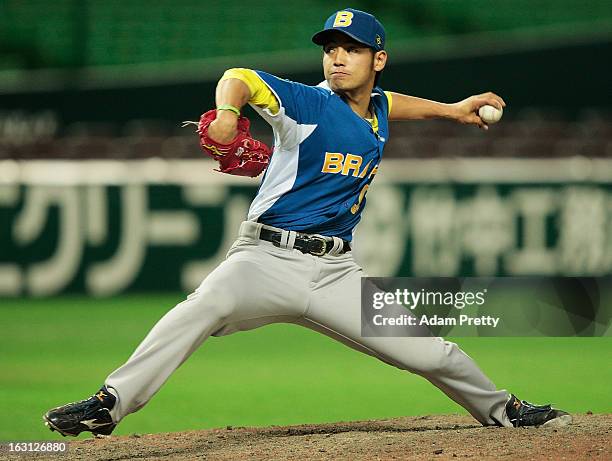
[{"x": 102, "y": 193}]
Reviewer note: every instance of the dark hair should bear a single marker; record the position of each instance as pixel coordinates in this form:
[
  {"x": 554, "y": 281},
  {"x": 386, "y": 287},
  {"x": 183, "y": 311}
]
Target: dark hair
[{"x": 377, "y": 78}]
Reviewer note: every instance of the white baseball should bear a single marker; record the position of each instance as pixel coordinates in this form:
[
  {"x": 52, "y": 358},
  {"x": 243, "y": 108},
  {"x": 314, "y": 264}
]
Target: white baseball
[{"x": 490, "y": 114}]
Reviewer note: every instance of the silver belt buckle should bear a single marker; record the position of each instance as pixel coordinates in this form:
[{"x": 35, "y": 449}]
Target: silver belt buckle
[{"x": 323, "y": 250}]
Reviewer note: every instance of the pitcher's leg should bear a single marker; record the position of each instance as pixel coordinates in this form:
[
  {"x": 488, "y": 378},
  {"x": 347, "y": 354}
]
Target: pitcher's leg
[
  {"x": 250, "y": 289},
  {"x": 335, "y": 310},
  {"x": 171, "y": 341}
]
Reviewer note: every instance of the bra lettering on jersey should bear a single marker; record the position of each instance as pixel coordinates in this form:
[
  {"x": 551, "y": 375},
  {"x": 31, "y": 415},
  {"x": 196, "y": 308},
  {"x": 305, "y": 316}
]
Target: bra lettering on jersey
[
  {"x": 336, "y": 162},
  {"x": 333, "y": 163}
]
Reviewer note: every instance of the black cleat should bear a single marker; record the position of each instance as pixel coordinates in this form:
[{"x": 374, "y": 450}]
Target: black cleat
[
  {"x": 92, "y": 414},
  {"x": 522, "y": 413}
]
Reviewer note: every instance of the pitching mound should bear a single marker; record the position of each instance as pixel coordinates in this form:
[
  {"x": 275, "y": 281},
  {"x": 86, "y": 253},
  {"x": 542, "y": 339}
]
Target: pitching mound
[{"x": 419, "y": 438}]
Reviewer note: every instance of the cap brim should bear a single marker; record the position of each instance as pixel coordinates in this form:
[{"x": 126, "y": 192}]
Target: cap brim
[{"x": 322, "y": 38}]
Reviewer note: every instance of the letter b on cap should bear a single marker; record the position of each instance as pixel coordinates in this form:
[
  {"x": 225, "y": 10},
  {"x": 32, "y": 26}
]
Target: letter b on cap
[{"x": 343, "y": 19}]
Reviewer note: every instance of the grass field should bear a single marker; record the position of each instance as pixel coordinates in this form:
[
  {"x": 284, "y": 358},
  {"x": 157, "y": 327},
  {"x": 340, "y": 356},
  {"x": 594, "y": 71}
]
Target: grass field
[{"x": 58, "y": 350}]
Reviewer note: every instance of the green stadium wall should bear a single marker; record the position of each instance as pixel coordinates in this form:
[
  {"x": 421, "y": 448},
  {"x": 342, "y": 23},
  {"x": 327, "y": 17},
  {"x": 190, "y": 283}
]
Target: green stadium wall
[{"x": 105, "y": 228}]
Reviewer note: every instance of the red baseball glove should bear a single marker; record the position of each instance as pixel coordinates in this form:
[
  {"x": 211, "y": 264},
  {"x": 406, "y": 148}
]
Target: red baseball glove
[{"x": 244, "y": 156}]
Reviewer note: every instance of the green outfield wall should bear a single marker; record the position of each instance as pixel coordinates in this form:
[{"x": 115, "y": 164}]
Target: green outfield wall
[{"x": 105, "y": 228}]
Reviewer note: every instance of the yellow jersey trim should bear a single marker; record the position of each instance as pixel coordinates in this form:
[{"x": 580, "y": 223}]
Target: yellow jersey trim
[
  {"x": 389, "y": 100},
  {"x": 374, "y": 121},
  {"x": 261, "y": 96}
]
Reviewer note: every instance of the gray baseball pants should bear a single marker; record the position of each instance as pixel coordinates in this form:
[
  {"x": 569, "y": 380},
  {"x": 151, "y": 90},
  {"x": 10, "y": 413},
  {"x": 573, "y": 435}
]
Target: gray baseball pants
[{"x": 285, "y": 285}]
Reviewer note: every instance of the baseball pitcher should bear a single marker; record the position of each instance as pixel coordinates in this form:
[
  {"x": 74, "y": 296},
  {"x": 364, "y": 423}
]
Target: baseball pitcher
[{"x": 293, "y": 253}]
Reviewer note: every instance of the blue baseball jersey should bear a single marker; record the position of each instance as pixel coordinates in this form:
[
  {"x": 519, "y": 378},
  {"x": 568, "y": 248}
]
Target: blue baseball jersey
[{"x": 325, "y": 157}]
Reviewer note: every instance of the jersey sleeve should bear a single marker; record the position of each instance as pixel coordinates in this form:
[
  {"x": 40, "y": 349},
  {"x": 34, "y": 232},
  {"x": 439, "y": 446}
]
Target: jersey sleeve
[
  {"x": 301, "y": 103},
  {"x": 292, "y": 109},
  {"x": 389, "y": 101},
  {"x": 261, "y": 96}
]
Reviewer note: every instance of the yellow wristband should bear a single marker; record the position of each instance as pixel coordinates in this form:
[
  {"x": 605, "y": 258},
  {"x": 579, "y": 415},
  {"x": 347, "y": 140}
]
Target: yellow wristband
[{"x": 229, "y": 107}]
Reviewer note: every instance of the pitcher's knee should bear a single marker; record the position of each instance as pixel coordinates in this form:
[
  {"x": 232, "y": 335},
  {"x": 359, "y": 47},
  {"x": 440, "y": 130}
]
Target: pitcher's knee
[
  {"x": 212, "y": 301},
  {"x": 440, "y": 359}
]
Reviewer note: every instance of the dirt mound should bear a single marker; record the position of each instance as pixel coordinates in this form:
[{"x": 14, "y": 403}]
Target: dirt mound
[{"x": 418, "y": 438}]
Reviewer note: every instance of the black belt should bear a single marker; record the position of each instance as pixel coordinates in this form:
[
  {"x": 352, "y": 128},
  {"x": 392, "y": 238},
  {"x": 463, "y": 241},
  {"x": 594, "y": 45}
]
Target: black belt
[{"x": 306, "y": 243}]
